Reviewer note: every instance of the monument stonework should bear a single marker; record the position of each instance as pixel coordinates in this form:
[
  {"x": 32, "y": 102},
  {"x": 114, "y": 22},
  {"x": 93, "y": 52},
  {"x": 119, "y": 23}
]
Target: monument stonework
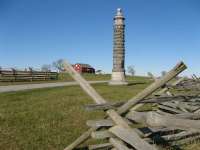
[{"x": 118, "y": 71}]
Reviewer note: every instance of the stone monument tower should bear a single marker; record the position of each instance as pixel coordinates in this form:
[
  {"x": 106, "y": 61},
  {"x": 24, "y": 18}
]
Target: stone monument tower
[{"x": 118, "y": 71}]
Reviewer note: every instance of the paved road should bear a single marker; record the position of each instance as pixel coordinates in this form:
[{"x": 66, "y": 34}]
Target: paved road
[{"x": 11, "y": 88}]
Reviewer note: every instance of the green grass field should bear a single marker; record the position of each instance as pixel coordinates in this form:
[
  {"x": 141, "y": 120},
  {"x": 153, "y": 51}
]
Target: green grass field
[{"x": 52, "y": 118}]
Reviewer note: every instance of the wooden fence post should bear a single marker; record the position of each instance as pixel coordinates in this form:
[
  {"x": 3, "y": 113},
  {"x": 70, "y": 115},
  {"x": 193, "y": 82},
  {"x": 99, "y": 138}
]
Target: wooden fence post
[
  {"x": 31, "y": 73},
  {"x": 14, "y": 73},
  {"x": 57, "y": 75},
  {"x": 0, "y": 74}
]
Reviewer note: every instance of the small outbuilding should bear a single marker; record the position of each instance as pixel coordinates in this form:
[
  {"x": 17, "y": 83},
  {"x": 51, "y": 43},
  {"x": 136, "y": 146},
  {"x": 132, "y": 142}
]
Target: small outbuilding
[{"x": 83, "y": 68}]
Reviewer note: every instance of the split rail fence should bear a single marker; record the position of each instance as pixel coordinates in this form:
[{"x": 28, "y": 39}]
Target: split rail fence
[
  {"x": 15, "y": 75},
  {"x": 175, "y": 121}
]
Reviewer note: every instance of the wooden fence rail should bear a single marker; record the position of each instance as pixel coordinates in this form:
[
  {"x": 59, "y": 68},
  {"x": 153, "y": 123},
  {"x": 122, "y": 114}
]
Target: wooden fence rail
[{"x": 15, "y": 75}]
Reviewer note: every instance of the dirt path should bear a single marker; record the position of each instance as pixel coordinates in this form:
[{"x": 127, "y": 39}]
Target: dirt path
[{"x": 11, "y": 88}]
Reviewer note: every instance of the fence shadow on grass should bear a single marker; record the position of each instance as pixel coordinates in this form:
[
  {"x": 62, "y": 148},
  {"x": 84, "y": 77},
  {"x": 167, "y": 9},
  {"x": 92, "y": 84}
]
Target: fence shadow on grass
[{"x": 133, "y": 83}]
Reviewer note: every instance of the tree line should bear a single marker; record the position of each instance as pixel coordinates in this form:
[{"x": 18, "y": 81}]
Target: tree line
[{"x": 56, "y": 65}]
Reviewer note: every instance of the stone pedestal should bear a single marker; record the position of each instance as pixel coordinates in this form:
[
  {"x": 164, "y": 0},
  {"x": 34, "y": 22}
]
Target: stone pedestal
[
  {"x": 118, "y": 78},
  {"x": 118, "y": 71}
]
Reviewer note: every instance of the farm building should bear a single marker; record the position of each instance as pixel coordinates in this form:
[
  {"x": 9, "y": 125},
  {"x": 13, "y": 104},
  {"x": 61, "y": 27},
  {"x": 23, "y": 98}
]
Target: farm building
[{"x": 83, "y": 68}]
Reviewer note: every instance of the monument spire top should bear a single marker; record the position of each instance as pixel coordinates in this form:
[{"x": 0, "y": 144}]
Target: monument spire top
[{"x": 119, "y": 12}]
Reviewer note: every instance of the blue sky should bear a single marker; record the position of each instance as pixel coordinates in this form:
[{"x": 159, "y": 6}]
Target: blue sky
[{"x": 159, "y": 33}]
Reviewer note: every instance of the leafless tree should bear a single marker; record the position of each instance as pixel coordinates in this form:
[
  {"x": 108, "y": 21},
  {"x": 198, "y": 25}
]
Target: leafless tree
[
  {"x": 59, "y": 65},
  {"x": 163, "y": 73},
  {"x": 149, "y": 74},
  {"x": 46, "y": 68},
  {"x": 131, "y": 70}
]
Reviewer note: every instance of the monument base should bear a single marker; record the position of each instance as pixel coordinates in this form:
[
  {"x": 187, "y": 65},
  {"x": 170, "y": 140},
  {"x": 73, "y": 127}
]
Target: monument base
[{"x": 118, "y": 78}]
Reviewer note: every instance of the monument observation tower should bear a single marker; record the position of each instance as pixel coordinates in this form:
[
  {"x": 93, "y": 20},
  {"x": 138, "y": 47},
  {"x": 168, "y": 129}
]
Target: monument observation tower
[{"x": 118, "y": 71}]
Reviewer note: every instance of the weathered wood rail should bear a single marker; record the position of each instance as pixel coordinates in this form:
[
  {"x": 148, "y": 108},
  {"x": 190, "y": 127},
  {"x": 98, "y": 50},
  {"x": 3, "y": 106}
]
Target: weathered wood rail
[
  {"x": 15, "y": 75},
  {"x": 116, "y": 128}
]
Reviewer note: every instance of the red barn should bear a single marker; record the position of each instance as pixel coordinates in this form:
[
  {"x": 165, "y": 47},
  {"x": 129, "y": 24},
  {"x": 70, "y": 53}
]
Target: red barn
[{"x": 83, "y": 68}]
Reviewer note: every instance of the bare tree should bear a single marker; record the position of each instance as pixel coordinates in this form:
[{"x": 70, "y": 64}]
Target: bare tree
[
  {"x": 131, "y": 70},
  {"x": 149, "y": 74},
  {"x": 46, "y": 68},
  {"x": 59, "y": 65},
  {"x": 163, "y": 73},
  {"x": 30, "y": 69}
]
